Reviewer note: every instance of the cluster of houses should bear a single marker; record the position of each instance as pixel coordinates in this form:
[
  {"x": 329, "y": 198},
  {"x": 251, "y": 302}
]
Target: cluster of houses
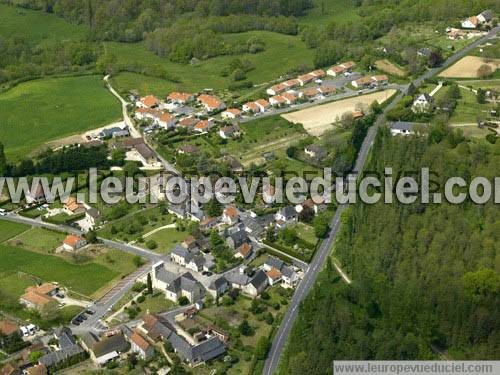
[
  {"x": 178, "y": 111},
  {"x": 474, "y": 22}
]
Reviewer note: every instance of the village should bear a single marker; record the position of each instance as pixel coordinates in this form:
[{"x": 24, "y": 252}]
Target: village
[{"x": 206, "y": 285}]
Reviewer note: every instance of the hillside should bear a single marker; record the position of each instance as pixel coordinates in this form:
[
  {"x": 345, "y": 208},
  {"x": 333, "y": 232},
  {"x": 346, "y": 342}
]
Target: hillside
[{"x": 425, "y": 277}]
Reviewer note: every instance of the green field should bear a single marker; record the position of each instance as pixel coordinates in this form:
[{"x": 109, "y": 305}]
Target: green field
[
  {"x": 282, "y": 53},
  {"x": 39, "y": 240},
  {"x": 36, "y": 26},
  {"x": 327, "y": 11},
  {"x": 83, "y": 278},
  {"x": 9, "y": 229},
  {"x": 36, "y": 112}
]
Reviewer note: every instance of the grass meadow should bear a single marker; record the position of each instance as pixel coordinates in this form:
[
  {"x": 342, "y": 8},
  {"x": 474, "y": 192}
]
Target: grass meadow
[
  {"x": 39, "y": 111},
  {"x": 282, "y": 53},
  {"x": 36, "y": 26}
]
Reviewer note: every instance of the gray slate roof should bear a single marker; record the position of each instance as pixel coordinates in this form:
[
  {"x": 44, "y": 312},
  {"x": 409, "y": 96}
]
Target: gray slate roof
[
  {"x": 65, "y": 337},
  {"x": 275, "y": 263},
  {"x": 259, "y": 279},
  {"x": 54, "y": 358},
  {"x": 116, "y": 343},
  {"x": 218, "y": 283}
]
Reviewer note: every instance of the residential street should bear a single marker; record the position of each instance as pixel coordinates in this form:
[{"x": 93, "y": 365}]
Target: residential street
[{"x": 318, "y": 262}]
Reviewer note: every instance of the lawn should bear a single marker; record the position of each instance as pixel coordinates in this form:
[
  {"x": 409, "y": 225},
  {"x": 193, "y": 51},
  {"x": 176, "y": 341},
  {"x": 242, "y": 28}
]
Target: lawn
[
  {"x": 53, "y": 108},
  {"x": 9, "y": 229},
  {"x": 282, "y": 53},
  {"x": 305, "y": 232},
  {"x": 39, "y": 240},
  {"x": 36, "y": 26},
  {"x": 468, "y": 109},
  {"x": 167, "y": 239},
  {"x": 83, "y": 278}
]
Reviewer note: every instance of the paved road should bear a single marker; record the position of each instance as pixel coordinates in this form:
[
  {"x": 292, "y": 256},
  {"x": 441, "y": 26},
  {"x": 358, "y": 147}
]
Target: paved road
[
  {"x": 136, "y": 133},
  {"x": 286, "y": 325}
]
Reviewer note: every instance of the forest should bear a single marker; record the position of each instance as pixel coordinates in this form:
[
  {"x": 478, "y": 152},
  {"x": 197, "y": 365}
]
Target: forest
[{"x": 425, "y": 278}]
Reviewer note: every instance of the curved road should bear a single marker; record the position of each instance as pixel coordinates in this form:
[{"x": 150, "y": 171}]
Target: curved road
[{"x": 286, "y": 325}]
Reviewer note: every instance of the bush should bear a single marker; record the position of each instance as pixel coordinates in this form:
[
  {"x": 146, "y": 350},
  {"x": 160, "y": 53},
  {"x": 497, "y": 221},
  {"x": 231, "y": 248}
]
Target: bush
[
  {"x": 183, "y": 301},
  {"x": 141, "y": 299}
]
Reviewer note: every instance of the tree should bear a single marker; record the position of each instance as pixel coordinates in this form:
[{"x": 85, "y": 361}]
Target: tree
[
  {"x": 149, "y": 283},
  {"x": 213, "y": 208},
  {"x": 3, "y": 162},
  {"x": 484, "y": 71},
  {"x": 137, "y": 260},
  {"x": 482, "y": 284},
  {"x": 481, "y": 96},
  {"x": 262, "y": 347},
  {"x": 435, "y": 59},
  {"x": 91, "y": 236},
  {"x": 321, "y": 226},
  {"x": 183, "y": 301},
  {"x": 245, "y": 328},
  {"x": 50, "y": 312},
  {"x": 151, "y": 244}
]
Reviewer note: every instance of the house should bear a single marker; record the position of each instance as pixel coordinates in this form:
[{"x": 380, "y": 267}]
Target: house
[
  {"x": 108, "y": 349},
  {"x": 256, "y": 285},
  {"x": 200, "y": 263},
  {"x": 230, "y": 215},
  {"x": 180, "y": 98},
  {"x": 204, "y": 126},
  {"x": 273, "y": 276},
  {"x": 277, "y": 100},
  {"x": 327, "y": 90},
  {"x": 8, "y": 328},
  {"x": 237, "y": 279},
  {"x": 470, "y": 23},
  {"x": 262, "y": 104},
  {"x": 208, "y": 223},
  {"x": 181, "y": 255},
  {"x": 287, "y": 214},
  {"x": 342, "y": 68},
  {"x": 305, "y": 79},
  {"x": 149, "y": 101},
  {"x": 309, "y": 93},
  {"x": 422, "y": 104},
  {"x": 485, "y": 16},
  {"x": 456, "y": 34},
  {"x": 36, "y": 195},
  {"x": 92, "y": 215},
  {"x": 403, "y": 128},
  {"x": 141, "y": 346},
  {"x": 244, "y": 251},
  {"x": 231, "y": 114},
  {"x": 130, "y": 143},
  {"x": 114, "y": 132},
  {"x": 68, "y": 350},
  {"x": 9, "y": 369},
  {"x": 73, "y": 243},
  {"x": 188, "y": 149},
  {"x": 251, "y": 107},
  {"x": 72, "y": 207},
  {"x": 166, "y": 120},
  {"x": 145, "y": 114},
  {"x": 189, "y": 243},
  {"x": 280, "y": 272},
  {"x": 370, "y": 81},
  {"x": 316, "y": 204},
  {"x": 146, "y": 154},
  {"x": 236, "y": 239},
  {"x": 210, "y": 103},
  {"x": 188, "y": 122},
  {"x": 253, "y": 227},
  {"x": 276, "y": 89},
  {"x": 227, "y": 132},
  {"x": 35, "y": 297},
  {"x": 218, "y": 286},
  {"x": 175, "y": 286},
  {"x": 315, "y": 152},
  {"x": 268, "y": 194}
]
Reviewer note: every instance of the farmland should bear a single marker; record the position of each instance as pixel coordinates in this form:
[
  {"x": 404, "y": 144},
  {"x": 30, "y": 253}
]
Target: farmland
[
  {"x": 42, "y": 26},
  {"x": 468, "y": 67},
  {"x": 9, "y": 230},
  {"x": 326, "y": 11},
  {"x": 52, "y": 108},
  {"x": 317, "y": 120},
  {"x": 390, "y": 68},
  {"x": 282, "y": 53}
]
